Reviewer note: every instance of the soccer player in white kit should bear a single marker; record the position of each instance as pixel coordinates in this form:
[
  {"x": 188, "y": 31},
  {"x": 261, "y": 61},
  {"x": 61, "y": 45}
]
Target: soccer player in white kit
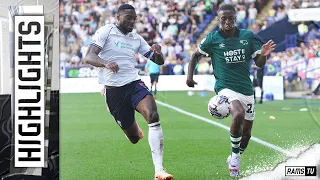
[{"x": 112, "y": 51}]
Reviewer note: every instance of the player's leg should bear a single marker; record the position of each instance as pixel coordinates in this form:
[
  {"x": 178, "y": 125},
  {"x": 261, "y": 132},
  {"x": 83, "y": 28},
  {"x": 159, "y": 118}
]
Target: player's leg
[
  {"x": 248, "y": 105},
  {"x": 261, "y": 97},
  {"x": 102, "y": 92},
  {"x": 155, "y": 82},
  {"x": 246, "y": 134},
  {"x": 316, "y": 90},
  {"x": 134, "y": 133},
  {"x": 237, "y": 112},
  {"x": 254, "y": 85},
  {"x": 151, "y": 82},
  {"x": 261, "y": 88},
  {"x": 120, "y": 105},
  {"x": 155, "y": 87},
  {"x": 145, "y": 104}
]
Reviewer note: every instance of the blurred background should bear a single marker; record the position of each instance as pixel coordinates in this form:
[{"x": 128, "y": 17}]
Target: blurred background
[{"x": 179, "y": 25}]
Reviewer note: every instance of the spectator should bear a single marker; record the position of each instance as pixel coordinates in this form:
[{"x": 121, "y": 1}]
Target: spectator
[
  {"x": 255, "y": 28},
  {"x": 68, "y": 8},
  {"x": 302, "y": 29},
  {"x": 313, "y": 35},
  {"x": 252, "y": 14},
  {"x": 280, "y": 14},
  {"x": 203, "y": 67},
  {"x": 199, "y": 9},
  {"x": 241, "y": 16},
  {"x": 75, "y": 60},
  {"x": 175, "y": 26},
  {"x": 172, "y": 29},
  {"x": 178, "y": 51},
  {"x": 265, "y": 25},
  {"x": 178, "y": 69}
]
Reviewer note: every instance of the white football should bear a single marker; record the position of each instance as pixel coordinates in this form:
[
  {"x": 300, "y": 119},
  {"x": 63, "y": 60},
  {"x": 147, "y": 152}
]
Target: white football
[{"x": 219, "y": 107}]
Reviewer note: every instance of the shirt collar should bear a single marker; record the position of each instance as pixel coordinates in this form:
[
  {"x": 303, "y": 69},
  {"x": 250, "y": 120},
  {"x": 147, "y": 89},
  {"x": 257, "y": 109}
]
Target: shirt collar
[{"x": 225, "y": 36}]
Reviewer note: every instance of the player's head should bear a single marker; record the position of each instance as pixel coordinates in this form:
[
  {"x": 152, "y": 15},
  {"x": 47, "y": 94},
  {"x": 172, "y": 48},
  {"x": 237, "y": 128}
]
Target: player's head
[
  {"x": 227, "y": 17},
  {"x": 126, "y": 17}
]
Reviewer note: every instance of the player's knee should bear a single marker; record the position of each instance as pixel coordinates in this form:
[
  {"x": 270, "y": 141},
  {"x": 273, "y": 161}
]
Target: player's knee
[
  {"x": 238, "y": 116},
  {"x": 153, "y": 117}
]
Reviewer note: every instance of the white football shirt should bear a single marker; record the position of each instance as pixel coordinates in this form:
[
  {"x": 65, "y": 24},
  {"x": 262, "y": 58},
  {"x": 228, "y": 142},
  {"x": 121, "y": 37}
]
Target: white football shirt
[{"x": 121, "y": 49}]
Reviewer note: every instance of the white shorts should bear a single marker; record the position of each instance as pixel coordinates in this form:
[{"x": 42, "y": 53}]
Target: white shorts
[{"x": 246, "y": 101}]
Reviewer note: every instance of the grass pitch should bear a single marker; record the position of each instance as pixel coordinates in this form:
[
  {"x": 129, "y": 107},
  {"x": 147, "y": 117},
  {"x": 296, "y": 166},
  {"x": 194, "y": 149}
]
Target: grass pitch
[{"x": 94, "y": 147}]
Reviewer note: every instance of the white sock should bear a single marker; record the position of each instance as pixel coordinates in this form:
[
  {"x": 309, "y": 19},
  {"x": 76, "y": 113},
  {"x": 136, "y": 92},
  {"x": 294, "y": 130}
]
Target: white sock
[
  {"x": 156, "y": 144},
  {"x": 235, "y": 154}
]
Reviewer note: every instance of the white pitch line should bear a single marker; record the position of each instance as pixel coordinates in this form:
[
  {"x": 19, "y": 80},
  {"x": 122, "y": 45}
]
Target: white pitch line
[{"x": 272, "y": 146}]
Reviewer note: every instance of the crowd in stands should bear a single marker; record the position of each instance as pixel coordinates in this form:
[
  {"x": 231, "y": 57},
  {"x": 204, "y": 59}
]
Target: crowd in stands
[
  {"x": 279, "y": 10},
  {"x": 171, "y": 23},
  {"x": 174, "y": 24},
  {"x": 300, "y": 63}
]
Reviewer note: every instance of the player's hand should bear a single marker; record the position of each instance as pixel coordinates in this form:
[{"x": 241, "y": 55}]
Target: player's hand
[
  {"x": 112, "y": 66},
  {"x": 267, "y": 48},
  {"x": 156, "y": 48},
  {"x": 191, "y": 82}
]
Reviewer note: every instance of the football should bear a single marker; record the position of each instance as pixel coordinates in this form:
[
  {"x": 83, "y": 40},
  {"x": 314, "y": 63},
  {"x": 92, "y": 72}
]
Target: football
[{"x": 219, "y": 107}]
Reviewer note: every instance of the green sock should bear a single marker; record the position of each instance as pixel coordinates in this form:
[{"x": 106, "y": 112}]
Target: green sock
[{"x": 235, "y": 142}]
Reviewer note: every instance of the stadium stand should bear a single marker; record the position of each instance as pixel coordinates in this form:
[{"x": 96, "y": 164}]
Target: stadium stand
[
  {"x": 179, "y": 25},
  {"x": 277, "y": 10},
  {"x": 174, "y": 24}
]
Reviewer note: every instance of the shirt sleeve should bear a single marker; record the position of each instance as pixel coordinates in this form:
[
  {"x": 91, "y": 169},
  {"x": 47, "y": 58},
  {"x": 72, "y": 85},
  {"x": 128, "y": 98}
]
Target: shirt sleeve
[
  {"x": 144, "y": 47},
  {"x": 204, "y": 46},
  {"x": 255, "y": 46},
  {"x": 101, "y": 36}
]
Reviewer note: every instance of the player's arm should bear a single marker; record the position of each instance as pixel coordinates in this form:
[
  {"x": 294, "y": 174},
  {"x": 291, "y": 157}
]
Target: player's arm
[
  {"x": 153, "y": 53},
  {"x": 266, "y": 49},
  {"x": 195, "y": 58},
  {"x": 98, "y": 41},
  {"x": 158, "y": 57},
  {"x": 260, "y": 60},
  {"x": 260, "y": 53},
  {"x": 202, "y": 50},
  {"x": 93, "y": 59}
]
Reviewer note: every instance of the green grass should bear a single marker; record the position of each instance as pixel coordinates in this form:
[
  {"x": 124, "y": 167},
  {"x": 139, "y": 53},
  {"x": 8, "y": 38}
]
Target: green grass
[{"x": 93, "y": 146}]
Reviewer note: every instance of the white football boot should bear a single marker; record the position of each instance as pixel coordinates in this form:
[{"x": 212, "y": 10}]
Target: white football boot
[{"x": 234, "y": 165}]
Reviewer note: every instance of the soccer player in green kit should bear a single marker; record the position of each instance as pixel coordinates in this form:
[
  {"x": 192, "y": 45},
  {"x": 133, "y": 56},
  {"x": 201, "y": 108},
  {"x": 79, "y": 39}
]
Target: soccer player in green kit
[{"x": 231, "y": 50}]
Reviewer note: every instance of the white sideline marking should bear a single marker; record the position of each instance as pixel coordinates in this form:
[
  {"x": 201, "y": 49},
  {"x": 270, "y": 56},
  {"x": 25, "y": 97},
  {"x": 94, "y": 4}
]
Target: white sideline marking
[{"x": 272, "y": 146}]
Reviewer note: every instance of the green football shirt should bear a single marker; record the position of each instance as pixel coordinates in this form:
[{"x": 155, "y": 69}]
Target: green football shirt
[{"x": 231, "y": 58}]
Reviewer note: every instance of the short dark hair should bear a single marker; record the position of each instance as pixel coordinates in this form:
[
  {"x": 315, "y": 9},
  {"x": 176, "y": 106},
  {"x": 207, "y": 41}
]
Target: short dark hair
[
  {"x": 124, "y": 7},
  {"x": 227, "y": 7}
]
